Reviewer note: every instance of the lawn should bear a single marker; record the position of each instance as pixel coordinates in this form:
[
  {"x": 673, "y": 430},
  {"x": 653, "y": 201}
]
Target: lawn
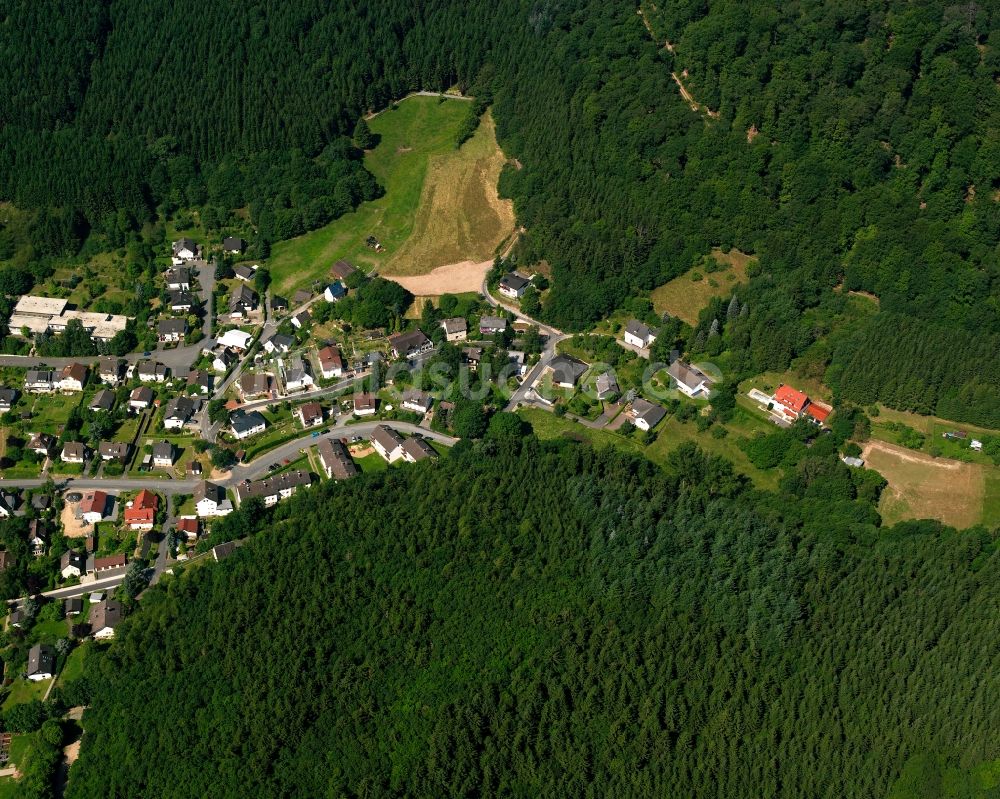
[
  {"x": 75, "y": 665},
  {"x": 22, "y": 691},
  {"x": 439, "y": 204},
  {"x": 549, "y": 426},
  {"x": 372, "y": 463},
  {"x": 50, "y": 412},
  {"x": 686, "y": 295}
]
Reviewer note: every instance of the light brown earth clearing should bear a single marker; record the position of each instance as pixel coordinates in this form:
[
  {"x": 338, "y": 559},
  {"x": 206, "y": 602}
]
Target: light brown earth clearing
[
  {"x": 685, "y": 296},
  {"x": 72, "y": 526},
  {"x": 451, "y": 279},
  {"x": 922, "y": 487}
]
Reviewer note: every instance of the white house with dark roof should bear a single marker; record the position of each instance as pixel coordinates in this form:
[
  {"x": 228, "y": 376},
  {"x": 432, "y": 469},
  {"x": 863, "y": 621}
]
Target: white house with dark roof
[
  {"x": 387, "y": 443},
  {"x": 690, "y": 380},
  {"x": 210, "y": 500},
  {"x": 417, "y": 401},
  {"x": 513, "y": 285},
  {"x": 644, "y": 414},
  {"x": 455, "y": 328},
  {"x": 185, "y": 249},
  {"x": 638, "y": 335}
]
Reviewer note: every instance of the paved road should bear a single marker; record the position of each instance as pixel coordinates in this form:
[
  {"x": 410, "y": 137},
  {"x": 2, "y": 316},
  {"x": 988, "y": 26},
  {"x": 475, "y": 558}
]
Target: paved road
[
  {"x": 552, "y": 337},
  {"x": 83, "y": 589}
]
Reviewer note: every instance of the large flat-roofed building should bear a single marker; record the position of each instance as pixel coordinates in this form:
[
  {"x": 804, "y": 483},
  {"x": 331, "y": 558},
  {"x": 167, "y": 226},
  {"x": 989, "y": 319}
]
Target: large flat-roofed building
[{"x": 50, "y": 315}]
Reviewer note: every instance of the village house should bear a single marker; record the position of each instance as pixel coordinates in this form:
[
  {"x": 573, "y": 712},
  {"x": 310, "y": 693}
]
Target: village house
[
  {"x": 407, "y": 345},
  {"x": 416, "y": 449},
  {"x": 330, "y": 363},
  {"x": 417, "y": 401},
  {"x": 342, "y": 270},
  {"x": 151, "y": 371},
  {"x": 245, "y": 424},
  {"x": 185, "y": 249},
  {"x": 236, "y": 339},
  {"x": 793, "y": 404},
  {"x": 73, "y": 377},
  {"x": 180, "y": 301},
  {"x": 170, "y": 330},
  {"x": 72, "y": 564},
  {"x": 365, "y": 404},
  {"x": 638, "y": 335},
  {"x": 110, "y": 370},
  {"x": 242, "y": 301},
  {"x": 279, "y": 343},
  {"x": 301, "y": 319},
  {"x": 193, "y": 468},
  {"x": 188, "y": 527},
  {"x": 513, "y": 285},
  {"x": 104, "y": 400},
  {"x": 40, "y": 382},
  {"x": 273, "y": 489},
  {"x": 310, "y": 414},
  {"x": 94, "y": 506},
  {"x": 223, "y": 360},
  {"x": 645, "y": 415},
  {"x": 689, "y": 380},
  {"x": 606, "y": 385},
  {"x": 255, "y": 386},
  {"x": 164, "y": 454},
  {"x": 114, "y": 450},
  {"x": 178, "y": 279},
  {"x": 472, "y": 357},
  {"x": 210, "y": 500},
  {"x": 455, "y": 328},
  {"x": 335, "y": 459},
  {"x": 245, "y": 272},
  {"x": 141, "y": 513},
  {"x": 233, "y": 245},
  {"x": 41, "y": 663},
  {"x": 110, "y": 566},
  {"x": 295, "y": 374},
  {"x": 387, "y": 443},
  {"x": 335, "y": 292},
  {"x": 199, "y": 381},
  {"x": 566, "y": 371},
  {"x": 8, "y": 396},
  {"x": 73, "y": 606},
  {"x": 278, "y": 303},
  {"x": 38, "y": 537},
  {"x": 41, "y": 444},
  {"x": 491, "y": 325},
  {"x": 140, "y": 398},
  {"x": 104, "y": 617},
  {"x": 74, "y": 452}
]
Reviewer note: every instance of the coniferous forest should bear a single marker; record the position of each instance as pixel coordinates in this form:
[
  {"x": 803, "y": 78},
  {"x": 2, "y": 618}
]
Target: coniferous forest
[{"x": 570, "y": 623}]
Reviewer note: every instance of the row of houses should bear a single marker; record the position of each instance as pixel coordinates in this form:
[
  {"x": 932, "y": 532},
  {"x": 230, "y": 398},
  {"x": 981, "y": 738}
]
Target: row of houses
[
  {"x": 393, "y": 447},
  {"x": 71, "y": 378}
]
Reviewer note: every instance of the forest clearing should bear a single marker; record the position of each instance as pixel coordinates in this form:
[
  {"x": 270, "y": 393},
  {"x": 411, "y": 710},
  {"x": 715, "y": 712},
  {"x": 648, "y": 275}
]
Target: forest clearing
[
  {"x": 439, "y": 208},
  {"x": 717, "y": 276}
]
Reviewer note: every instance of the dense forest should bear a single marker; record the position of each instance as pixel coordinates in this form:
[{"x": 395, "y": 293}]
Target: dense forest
[{"x": 571, "y": 623}]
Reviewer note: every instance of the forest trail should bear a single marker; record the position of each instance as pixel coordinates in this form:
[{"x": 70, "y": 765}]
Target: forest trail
[{"x": 685, "y": 94}]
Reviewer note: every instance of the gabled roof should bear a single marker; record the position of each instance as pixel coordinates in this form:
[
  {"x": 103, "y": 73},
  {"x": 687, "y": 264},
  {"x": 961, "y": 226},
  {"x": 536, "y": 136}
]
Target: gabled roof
[
  {"x": 454, "y": 324},
  {"x": 365, "y": 402},
  {"x": 74, "y": 371},
  {"x": 636, "y": 328},
  {"x": 386, "y": 437},
  {"x": 242, "y": 296},
  {"x": 141, "y": 394},
  {"x": 311, "y": 410},
  {"x": 492, "y": 323},
  {"x": 41, "y": 659},
  {"x": 791, "y": 398},
  {"x": 104, "y": 400},
  {"x": 243, "y": 422},
  {"x": 207, "y": 490},
  {"x": 329, "y": 358},
  {"x": 687, "y": 375},
  {"x": 418, "y": 449},
  {"x": 649, "y": 412},
  {"x": 185, "y": 244},
  {"x": 404, "y": 343},
  {"x": 233, "y": 243},
  {"x": 336, "y": 290},
  {"x": 108, "y": 613},
  {"x": 514, "y": 281},
  {"x": 162, "y": 450},
  {"x": 334, "y": 457},
  {"x": 566, "y": 369},
  {"x": 258, "y": 383},
  {"x": 179, "y": 408},
  {"x": 342, "y": 269},
  {"x": 73, "y": 450},
  {"x": 94, "y": 502}
]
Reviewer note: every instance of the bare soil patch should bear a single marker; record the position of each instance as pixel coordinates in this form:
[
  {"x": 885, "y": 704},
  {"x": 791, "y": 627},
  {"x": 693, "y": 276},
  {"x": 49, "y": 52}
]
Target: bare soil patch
[
  {"x": 450, "y": 279},
  {"x": 922, "y": 487},
  {"x": 72, "y": 526}
]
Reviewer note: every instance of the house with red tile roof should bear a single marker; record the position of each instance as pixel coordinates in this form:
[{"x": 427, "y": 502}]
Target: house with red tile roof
[
  {"x": 794, "y": 404},
  {"x": 142, "y": 513}
]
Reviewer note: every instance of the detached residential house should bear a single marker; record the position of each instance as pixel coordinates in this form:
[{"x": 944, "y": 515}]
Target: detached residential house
[
  {"x": 94, "y": 506},
  {"x": 566, "y": 371},
  {"x": 40, "y": 382},
  {"x": 417, "y": 401},
  {"x": 73, "y": 377},
  {"x": 365, "y": 404},
  {"x": 330, "y": 362},
  {"x": 513, "y": 285},
  {"x": 296, "y": 374},
  {"x": 490, "y": 325},
  {"x": 210, "y": 500},
  {"x": 73, "y": 606},
  {"x": 104, "y": 400},
  {"x": 416, "y": 449},
  {"x": 255, "y": 386},
  {"x": 41, "y": 662},
  {"x": 273, "y": 489},
  {"x": 140, "y": 398},
  {"x": 200, "y": 381},
  {"x": 185, "y": 249},
  {"x": 189, "y": 527},
  {"x": 242, "y": 301},
  {"x": 278, "y": 303},
  {"x": 151, "y": 371},
  {"x": 141, "y": 514},
  {"x": 335, "y": 459},
  {"x": 310, "y": 414},
  {"x": 104, "y": 617},
  {"x": 178, "y": 413},
  {"x": 245, "y": 424},
  {"x": 110, "y": 371},
  {"x": 387, "y": 443},
  {"x": 301, "y": 319},
  {"x": 233, "y": 244},
  {"x": 335, "y": 292},
  {"x": 41, "y": 443},
  {"x": 38, "y": 538},
  {"x": 179, "y": 279},
  {"x": 181, "y": 301},
  {"x": 74, "y": 452},
  {"x": 279, "y": 343},
  {"x": 224, "y": 359},
  {"x": 171, "y": 329},
  {"x": 111, "y": 566},
  {"x": 342, "y": 270},
  {"x": 164, "y": 454},
  {"x": 606, "y": 385},
  {"x": 114, "y": 450},
  {"x": 72, "y": 564},
  {"x": 8, "y": 396},
  {"x": 245, "y": 272},
  {"x": 645, "y": 415},
  {"x": 794, "y": 404},
  {"x": 690, "y": 380},
  {"x": 455, "y": 328},
  {"x": 638, "y": 335},
  {"x": 406, "y": 345}
]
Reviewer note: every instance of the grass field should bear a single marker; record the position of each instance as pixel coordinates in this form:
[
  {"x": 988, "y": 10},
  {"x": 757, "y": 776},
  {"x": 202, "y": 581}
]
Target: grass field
[
  {"x": 439, "y": 206},
  {"x": 685, "y": 296},
  {"x": 922, "y": 487},
  {"x": 22, "y": 690}
]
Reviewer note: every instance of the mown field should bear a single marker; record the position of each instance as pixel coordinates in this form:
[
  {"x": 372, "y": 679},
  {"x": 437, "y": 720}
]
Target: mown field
[
  {"x": 686, "y": 295},
  {"x": 439, "y": 205}
]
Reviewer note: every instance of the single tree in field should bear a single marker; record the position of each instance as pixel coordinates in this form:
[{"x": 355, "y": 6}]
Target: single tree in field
[{"x": 363, "y": 135}]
